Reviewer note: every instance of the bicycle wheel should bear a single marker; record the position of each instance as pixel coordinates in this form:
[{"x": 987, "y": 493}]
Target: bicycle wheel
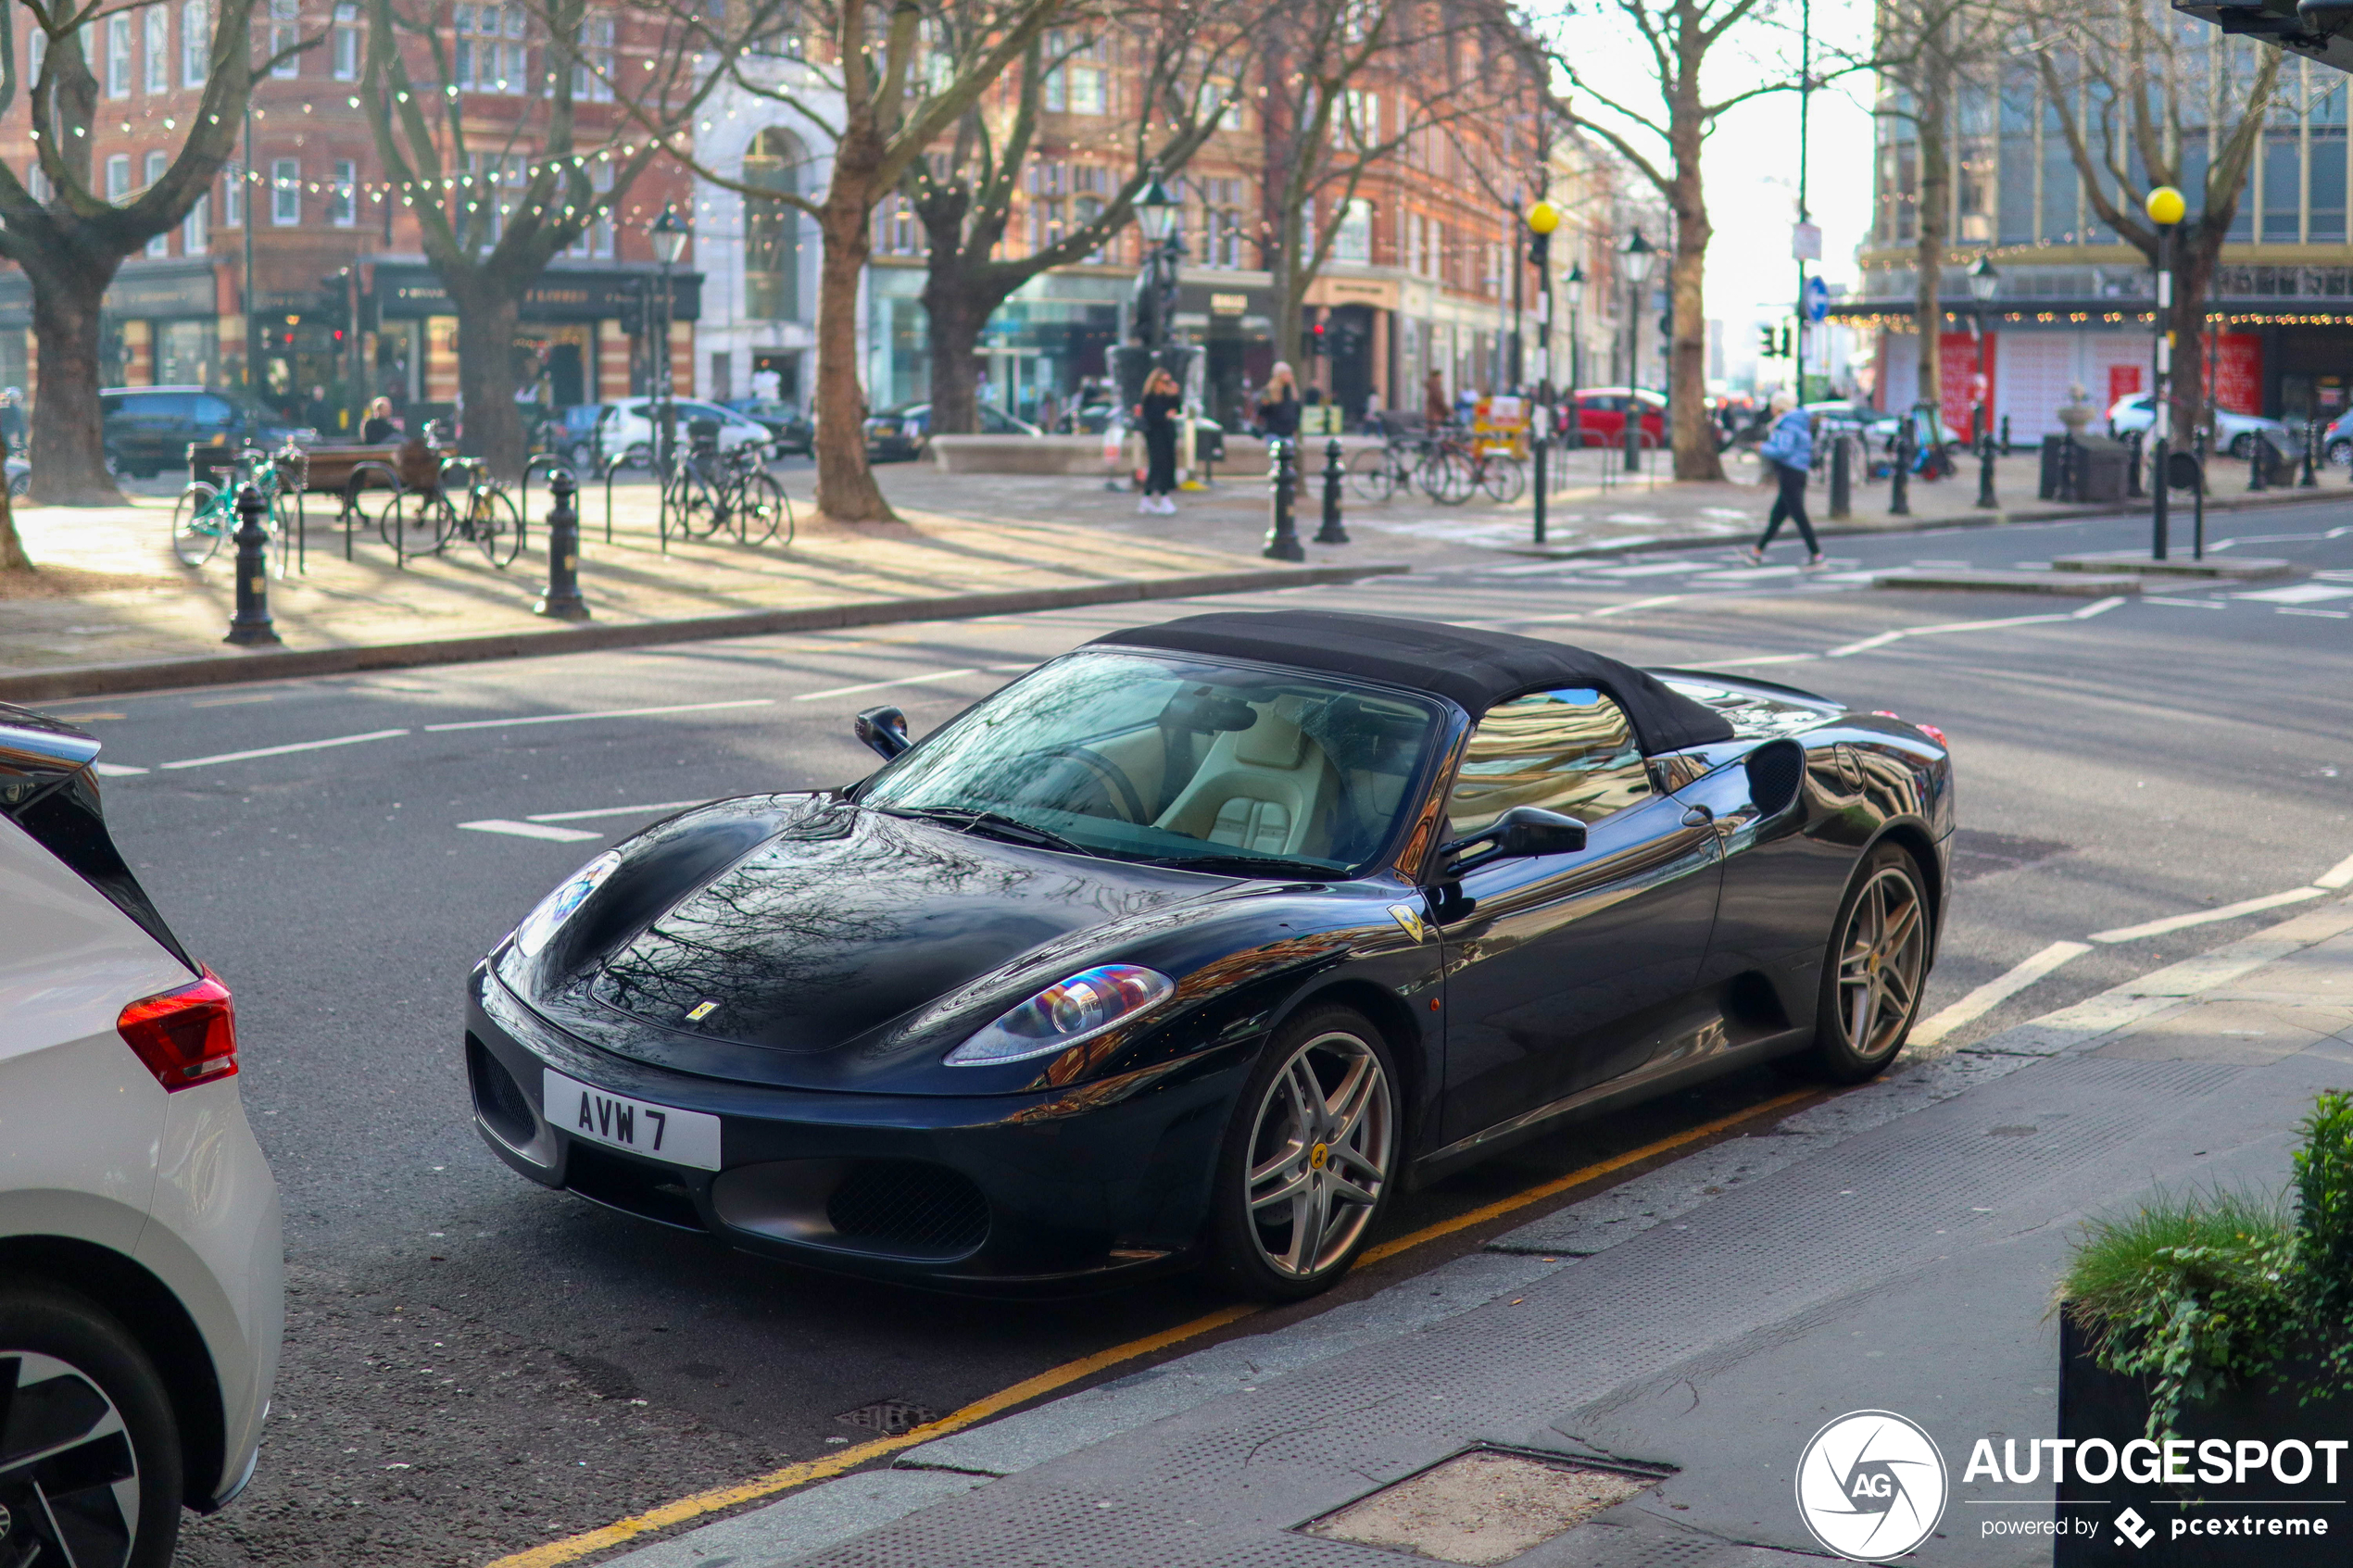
[
  {"x": 761, "y": 509},
  {"x": 1445, "y": 477},
  {"x": 1371, "y": 474},
  {"x": 698, "y": 508},
  {"x": 411, "y": 522},
  {"x": 496, "y": 526},
  {"x": 1503, "y": 478},
  {"x": 198, "y": 523}
]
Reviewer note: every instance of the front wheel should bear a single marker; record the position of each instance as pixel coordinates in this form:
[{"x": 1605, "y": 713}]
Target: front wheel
[
  {"x": 1874, "y": 972},
  {"x": 762, "y": 510},
  {"x": 1504, "y": 480},
  {"x": 1309, "y": 1158},
  {"x": 198, "y": 523},
  {"x": 1372, "y": 475},
  {"x": 107, "y": 1493},
  {"x": 2340, "y": 453},
  {"x": 1445, "y": 477},
  {"x": 497, "y": 526},
  {"x": 2242, "y": 447}
]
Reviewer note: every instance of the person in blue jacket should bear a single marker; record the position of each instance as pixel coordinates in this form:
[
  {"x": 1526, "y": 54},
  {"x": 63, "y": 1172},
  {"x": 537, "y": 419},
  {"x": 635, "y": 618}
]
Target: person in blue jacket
[{"x": 1789, "y": 448}]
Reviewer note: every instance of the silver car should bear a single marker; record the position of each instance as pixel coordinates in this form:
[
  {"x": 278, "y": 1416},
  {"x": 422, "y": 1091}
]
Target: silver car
[{"x": 2234, "y": 432}]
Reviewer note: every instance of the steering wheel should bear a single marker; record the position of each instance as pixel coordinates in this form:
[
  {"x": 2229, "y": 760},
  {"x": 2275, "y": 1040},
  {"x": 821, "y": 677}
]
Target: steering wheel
[{"x": 1097, "y": 781}]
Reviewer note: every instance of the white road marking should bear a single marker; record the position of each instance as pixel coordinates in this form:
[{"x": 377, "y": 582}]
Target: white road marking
[
  {"x": 1993, "y": 993},
  {"x": 529, "y": 830},
  {"x": 115, "y": 770},
  {"x": 1648, "y": 569},
  {"x": 909, "y": 681},
  {"x": 1642, "y": 604},
  {"x": 609, "y": 812},
  {"x": 2206, "y": 917},
  {"x": 2329, "y": 614},
  {"x": 283, "y": 750},
  {"x": 2337, "y": 876},
  {"x": 2184, "y": 604},
  {"x": 606, "y": 713},
  {"x": 2297, "y": 593},
  {"x": 1866, "y": 644}
]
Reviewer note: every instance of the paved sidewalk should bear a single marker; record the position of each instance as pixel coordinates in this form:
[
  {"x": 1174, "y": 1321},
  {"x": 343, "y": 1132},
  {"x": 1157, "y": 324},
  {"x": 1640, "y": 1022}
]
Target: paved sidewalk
[{"x": 1894, "y": 1248}]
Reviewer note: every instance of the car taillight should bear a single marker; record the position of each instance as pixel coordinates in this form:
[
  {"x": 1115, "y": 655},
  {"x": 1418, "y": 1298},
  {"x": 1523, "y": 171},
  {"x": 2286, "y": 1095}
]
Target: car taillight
[{"x": 184, "y": 1037}]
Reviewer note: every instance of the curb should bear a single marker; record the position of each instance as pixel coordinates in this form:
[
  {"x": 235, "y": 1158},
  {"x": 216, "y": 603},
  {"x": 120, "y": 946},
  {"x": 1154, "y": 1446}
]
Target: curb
[
  {"x": 97, "y": 680},
  {"x": 1918, "y": 525}
]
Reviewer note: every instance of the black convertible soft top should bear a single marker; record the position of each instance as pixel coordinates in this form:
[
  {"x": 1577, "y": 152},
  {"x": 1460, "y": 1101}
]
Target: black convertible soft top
[{"x": 1476, "y": 669}]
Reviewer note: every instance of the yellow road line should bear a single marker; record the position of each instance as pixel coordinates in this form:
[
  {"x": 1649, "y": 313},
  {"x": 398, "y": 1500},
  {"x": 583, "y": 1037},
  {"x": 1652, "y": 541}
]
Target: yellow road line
[{"x": 573, "y": 1548}]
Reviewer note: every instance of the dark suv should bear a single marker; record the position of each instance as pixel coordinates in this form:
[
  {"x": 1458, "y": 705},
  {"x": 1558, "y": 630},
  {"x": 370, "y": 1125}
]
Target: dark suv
[{"x": 148, "y": 429}]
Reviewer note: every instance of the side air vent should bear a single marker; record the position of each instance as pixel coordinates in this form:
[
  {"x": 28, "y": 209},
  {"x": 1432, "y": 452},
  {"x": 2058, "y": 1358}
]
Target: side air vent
[{"x": 1774, "y": 769}]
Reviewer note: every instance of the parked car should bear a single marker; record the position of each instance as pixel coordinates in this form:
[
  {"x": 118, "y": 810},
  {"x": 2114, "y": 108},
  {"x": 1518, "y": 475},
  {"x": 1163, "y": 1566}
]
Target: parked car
[
  {"x": 2338, "y": 440},
  {"x": 141, "y": 1289},
  {"x": 19, "y": 476},
  {"x": 1601, "y": 414},
  {"x": 1882, "y": 431},
  {"x": 1201, "y": 941},
  {"x": 2234, "y": 432},
  {"x": 791, "y": 430},
  {"x": 626, "y": 427},
  {"x": 904, "y": 433},
  {"x": 148, "y": 429}
]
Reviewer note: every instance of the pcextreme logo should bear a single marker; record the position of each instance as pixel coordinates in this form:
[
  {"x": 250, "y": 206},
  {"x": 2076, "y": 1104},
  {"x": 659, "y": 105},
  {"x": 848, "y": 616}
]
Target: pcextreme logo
[{"x": 1871, "y": 1486}]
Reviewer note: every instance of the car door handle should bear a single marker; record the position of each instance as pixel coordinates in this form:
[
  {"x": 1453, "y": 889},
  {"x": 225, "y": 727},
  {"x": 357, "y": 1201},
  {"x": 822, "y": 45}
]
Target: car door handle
[{"x": 1698, "y": 817}]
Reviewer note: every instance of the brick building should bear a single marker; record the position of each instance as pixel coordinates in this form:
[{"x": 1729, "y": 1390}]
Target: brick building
[{"x": 318, "y": 200}]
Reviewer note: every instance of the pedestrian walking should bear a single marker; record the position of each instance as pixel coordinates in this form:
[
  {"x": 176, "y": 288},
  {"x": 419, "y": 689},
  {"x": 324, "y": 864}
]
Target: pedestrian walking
[
  {"x": 1789, "y": 449},
  {"x": 1436, "y": 411},
  {"x": 1157, "y": 415}
]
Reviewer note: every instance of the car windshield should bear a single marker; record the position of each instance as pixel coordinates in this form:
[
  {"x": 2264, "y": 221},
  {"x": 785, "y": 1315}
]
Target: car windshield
[{"x": 1236, "y": 769}]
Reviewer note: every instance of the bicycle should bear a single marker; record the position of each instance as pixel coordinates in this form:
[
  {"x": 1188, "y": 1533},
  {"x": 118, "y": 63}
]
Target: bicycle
[
  {"x": 1378, "y": 472},
  {"x": 488, "y": 518},
  {"x": 206, "y": 513},
  {"x": 709, "y": 490},
  {"x": 1455, "y": 467}
]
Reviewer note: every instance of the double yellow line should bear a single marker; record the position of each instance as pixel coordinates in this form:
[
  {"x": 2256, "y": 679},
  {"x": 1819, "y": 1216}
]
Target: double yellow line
[{"x": 573, "y": 1548}]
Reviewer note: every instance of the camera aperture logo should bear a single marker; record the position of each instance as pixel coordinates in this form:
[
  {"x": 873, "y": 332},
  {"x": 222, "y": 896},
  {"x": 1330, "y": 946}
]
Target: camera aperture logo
[{"x": 1871, "y": 1486}]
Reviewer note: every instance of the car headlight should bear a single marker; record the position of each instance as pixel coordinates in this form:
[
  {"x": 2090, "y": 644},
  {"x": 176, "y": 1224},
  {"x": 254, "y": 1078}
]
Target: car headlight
[
  {"x": 1063, "y": 1014},
  {"x": 556, "y": 909}
]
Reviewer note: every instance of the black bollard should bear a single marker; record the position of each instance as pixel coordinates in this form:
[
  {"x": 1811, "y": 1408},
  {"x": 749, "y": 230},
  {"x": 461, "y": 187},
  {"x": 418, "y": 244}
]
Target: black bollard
[
  {"x": 2312, "y": 478},
  {"x": 1632, "y": 438},
  {"x": 250, "y": 626},
  {"x": 2005, "y": 436},
  {"x": 1842, "y": 477},
  {"x": 2066, "y": 474},
  {"x": 2133, "y": 490},
  {"x": 1283, "y": 477},
  {"x": 563, "y": 599},
  {"x": 2259, "y": 467},
  {"x": 1985, "y": 470},
  {"x": 1899, "y": 502},
  {"x": 1332, "y": 533}
]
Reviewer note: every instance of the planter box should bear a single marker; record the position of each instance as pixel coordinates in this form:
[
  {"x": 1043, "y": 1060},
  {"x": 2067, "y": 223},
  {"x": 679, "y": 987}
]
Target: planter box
[{"x": 2096, "y": 1404}]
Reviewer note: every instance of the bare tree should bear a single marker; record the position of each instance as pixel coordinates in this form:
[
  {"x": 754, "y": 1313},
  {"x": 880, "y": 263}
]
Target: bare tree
[
  {"x": 1659, "y": 119},
  {"x": 1192, "y": 56},
  {"x": 70, "y": 240},
  {"x": 884, "y": 88},
  {"x": 2144, "y": 102}
]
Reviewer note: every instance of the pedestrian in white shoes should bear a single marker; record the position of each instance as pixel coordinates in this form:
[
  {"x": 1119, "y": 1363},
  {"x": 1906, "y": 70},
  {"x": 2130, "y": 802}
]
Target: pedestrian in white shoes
[{"x": 1157, "y": 415}]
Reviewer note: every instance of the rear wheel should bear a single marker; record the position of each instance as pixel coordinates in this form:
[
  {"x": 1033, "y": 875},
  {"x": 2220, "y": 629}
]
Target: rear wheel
[
  {"x": 764, "y": 511},
  {"x": 1372, "y": 475},
  {"x": 1445, "y": 477},
  {"x": 497, "y": 526},
  {"x": 196, "y": 526},
  {"x": 411, "y": 522},
  {"x": 1309, "y": 1159},
  {"x": 1504, "y": 480},
  {"x": 108, "y": 1494},
  {"x": 1874, "y": 971}
]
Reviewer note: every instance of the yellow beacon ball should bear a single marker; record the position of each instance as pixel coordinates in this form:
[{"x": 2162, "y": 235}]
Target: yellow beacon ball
[
  {"x": 2166, "y": 205},
  {"x": 1544, "y": 218}
]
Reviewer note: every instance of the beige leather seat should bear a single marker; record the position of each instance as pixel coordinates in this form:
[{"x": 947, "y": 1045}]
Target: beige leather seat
[{"x": 1267, "y": 789}]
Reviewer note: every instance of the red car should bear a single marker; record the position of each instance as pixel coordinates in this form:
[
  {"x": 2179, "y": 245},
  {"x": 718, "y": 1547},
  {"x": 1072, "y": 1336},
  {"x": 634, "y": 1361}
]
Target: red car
[{"x": 1600, "y": 415}]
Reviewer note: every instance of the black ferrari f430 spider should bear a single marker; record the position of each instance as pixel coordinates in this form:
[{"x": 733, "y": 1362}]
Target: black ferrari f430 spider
[{"x": 1196, "y": 943}]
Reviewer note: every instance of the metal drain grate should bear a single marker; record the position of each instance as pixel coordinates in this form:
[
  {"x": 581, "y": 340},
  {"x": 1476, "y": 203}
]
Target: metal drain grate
[{"x": 889, "y": 1417}]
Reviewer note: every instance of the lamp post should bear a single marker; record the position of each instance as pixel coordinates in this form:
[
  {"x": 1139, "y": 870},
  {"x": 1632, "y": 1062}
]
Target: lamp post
[
  {"x": 1156, "y": 213},
  {"x": 1543, "y": 219},
  {"x": 1636, "y": 259},
  {"x": 669, "y": 232},
  {"x": 1982, "y": 283},
  {"x": 2165, "y": 208}
]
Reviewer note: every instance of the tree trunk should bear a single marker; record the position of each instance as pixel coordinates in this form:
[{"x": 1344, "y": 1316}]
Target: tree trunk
[
  {"x": 1931, "y": 217},
  {"x": 486, "y": 316},
  {"x": 68, "y": 443},
  {"x": 846, "y": 487},
  {"x": 1694, "y": 432},
  {"x": 958, "y": 306},
  {"x": 2194, "y": 263},
  {"x": 12, "y": 556}
]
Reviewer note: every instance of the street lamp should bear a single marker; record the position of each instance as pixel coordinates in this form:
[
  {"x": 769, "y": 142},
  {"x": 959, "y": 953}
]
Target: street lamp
[
  {"x": 1574, "y": 287},
  {"x": 1543, "y": 219},
  {"x": 1636, "y": 259},
  {"x": 1156, "y": 213},
  {"x": 1982, "y": 283},
  {"x": 669, "y": 234},
  {"x": 2165, "y": 208}
]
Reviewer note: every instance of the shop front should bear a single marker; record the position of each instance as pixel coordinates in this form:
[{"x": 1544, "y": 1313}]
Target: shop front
[
  {"x": 159, "y": 325},
  {"x": 1039, "y": 347}
]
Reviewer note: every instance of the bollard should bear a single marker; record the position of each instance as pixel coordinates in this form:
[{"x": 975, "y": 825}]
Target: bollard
[
  {"x": 2258, "y": 469},
  {"x": 2005, "y": 436},
  {"x": 1985, "y": 469},
  {"x": 1332, "y": 533},
  {"x": 2067, "y": 483},
  {"x": 1633, "y": 439},
  {"x": 2133, "y": 490},
  {"x": 1282, "y": 539},
  {"x": 1899, "y": 502},
  {"x": 1842, "y": 477},
  {"x": 250, "y": 626},
  {"x": 563, "y": 599},
  {"x": 2312, "y": 478}
]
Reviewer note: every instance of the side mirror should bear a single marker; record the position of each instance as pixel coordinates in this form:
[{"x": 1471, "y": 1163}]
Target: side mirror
[
  {"x": 883, "y": 729},
  {"x": 1522, "y": 832}
]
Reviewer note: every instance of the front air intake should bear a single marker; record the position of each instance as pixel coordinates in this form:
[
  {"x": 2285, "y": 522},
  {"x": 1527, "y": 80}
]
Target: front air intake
[{"x": 909, "y": 1207}]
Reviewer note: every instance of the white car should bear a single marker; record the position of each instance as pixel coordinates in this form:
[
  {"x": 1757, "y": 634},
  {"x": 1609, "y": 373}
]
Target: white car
[
  {"x": 2235, "y": 432},
  {"x": 627, "y": 428},
  {"x": 142, "y": 1277}
]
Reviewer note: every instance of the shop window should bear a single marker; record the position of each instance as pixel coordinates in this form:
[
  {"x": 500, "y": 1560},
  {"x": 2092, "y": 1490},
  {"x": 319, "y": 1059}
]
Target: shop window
[
  {"x": 157, "y": 163},
  {"x": 285, "y": 191},
  {"x": 195, "y": 43},
  {"x": 156, "y": 54}
]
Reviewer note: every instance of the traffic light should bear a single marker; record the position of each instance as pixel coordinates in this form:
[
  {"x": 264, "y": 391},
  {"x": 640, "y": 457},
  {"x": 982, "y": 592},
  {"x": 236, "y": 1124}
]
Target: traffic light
[
  {"x": 1765, "y": 349},
  {"x": 1316, "y": 342},
  {"x": 1539, "y": 251},
  {"x": 335, "y": 308},
  {"x": 631, "y": 311}
]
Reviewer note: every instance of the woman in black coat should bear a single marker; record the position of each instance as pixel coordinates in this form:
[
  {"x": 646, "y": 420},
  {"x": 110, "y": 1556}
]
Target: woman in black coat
[{"x": 1157, "y": 415}]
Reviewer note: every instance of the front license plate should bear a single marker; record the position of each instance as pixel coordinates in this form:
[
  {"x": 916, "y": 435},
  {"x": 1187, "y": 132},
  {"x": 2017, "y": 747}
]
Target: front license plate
[{"x": 680, "y": 1138}]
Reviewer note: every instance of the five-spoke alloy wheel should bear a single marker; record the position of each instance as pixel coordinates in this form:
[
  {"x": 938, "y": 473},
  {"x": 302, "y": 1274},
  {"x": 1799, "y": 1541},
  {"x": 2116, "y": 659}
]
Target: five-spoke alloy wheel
[
  {"x": 1875, "y": 970},
  {"x": 1311, "y": 1157}
]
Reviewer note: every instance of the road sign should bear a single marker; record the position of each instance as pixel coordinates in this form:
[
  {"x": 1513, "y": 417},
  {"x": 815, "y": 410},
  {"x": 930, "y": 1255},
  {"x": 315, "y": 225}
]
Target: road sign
[
  {"x": 1805, "y": 243},
  {"x": 1818, "y": 299}
]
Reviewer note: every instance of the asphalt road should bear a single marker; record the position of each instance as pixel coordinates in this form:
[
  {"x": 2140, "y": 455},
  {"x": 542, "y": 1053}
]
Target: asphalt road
[{"x": 475, "y": 1365}]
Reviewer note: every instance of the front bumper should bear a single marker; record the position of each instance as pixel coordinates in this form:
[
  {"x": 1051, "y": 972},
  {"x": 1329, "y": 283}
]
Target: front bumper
[{"x": 1027, "y": 1193}]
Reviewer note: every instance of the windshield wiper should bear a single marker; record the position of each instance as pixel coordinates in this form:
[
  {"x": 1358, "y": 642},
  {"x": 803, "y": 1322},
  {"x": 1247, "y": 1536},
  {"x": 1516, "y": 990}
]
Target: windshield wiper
[
  {"x": 1260, "y": 868},
  {"x": 991, "y": 824}
]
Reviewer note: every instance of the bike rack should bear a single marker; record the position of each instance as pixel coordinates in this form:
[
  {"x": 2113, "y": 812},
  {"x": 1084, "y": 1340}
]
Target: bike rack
[
  {"x": 522, "y": 504},
  {"x": 613, "y": 466}
]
